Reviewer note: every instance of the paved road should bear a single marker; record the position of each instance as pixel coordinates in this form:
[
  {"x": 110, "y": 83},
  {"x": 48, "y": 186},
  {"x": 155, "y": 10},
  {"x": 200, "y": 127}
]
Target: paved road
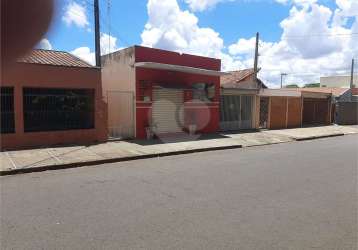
[{"x": 300, "y": 195}]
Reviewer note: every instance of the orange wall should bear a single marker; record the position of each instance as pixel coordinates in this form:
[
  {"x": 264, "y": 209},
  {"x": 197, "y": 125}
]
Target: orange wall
[{"x": 48, "y": 76}]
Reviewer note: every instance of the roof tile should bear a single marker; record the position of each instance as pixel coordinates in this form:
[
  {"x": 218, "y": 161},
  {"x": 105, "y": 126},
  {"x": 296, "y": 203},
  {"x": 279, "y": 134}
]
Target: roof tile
[
  {"x": 326, "y": 90},
  {"x": 232, "y": 79},
  {"x": 51, "y": 57}
]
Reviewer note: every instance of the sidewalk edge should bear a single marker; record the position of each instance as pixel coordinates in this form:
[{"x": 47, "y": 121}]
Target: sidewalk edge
[
  {"x": 112, "y": 160},
  {"x": 308, "y": 138}
]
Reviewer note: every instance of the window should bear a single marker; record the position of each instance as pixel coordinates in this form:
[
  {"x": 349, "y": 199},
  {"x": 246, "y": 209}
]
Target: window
[
  {"x": 58, "y": 109},
  {"x": 7, "y": 110},
  {"x": 203, "y": 92}
]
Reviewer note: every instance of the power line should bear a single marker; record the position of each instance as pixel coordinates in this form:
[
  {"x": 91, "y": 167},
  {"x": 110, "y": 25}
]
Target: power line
[{"x": 121, "y": 38}]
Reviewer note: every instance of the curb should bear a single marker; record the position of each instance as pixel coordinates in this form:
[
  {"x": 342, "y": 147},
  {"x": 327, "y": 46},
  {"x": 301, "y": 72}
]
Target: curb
[
  {"x": 112, "y": 160},
  {"x": 309, "y": 138}
]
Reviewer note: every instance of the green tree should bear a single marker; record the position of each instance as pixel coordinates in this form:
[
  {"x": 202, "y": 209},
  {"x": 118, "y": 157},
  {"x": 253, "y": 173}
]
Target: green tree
[
  {"x": 312, "y": 85},
  {"x": 292, "y": 86}
]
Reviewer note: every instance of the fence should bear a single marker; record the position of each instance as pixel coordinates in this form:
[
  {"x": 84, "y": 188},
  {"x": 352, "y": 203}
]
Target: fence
[{"x": 347, "y": 113}]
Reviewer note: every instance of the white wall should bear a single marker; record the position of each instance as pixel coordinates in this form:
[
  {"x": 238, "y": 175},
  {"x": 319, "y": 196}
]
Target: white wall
[{"x": 338, "y": 81}]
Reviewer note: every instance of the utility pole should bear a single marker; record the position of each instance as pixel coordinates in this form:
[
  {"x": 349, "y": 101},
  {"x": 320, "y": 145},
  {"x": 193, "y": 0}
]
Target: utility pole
[
  {"x": 282, "y": 75},
  {"x": 256, "y": 57},
  {"x": 97, "y": 34},
  {"x": 352, "y": 74}
]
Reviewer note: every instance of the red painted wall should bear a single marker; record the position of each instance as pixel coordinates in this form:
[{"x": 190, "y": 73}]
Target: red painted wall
[
  {"x": 199, "y": 111},
  {"x": 47, "y": 76},
  {"x": 144, "y": 54}
]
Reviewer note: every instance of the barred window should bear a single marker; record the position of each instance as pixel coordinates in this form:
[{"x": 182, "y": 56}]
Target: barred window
[
  {"x": 58, "y": 109},
  {"x": 7, "y": 110}
]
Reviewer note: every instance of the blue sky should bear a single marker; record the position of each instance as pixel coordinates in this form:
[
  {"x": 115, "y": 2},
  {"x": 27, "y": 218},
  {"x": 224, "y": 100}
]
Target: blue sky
[
  {"x": 233, "y": 20},
  {"x": 219, "y": 28}
]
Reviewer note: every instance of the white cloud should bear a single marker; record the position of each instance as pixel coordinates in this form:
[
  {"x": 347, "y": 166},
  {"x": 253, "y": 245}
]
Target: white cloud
[
  {"x": 44, "y": 44},
  {"x": 309, "y": 45},
  {"x": 302, "y": 53},
  {"x": 297, "y": 2},
  {"x": 201, "y": 5},
  {"x": 308, "y": 21},
  {"x": 108, "y": 45},
  {"x": 76, "y": 14},
  {"x": 171, "y": 28},
  {"x": 85, "y": 54}
]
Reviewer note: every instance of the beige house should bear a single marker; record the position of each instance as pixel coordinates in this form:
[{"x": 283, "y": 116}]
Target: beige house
[{"x": 239, "y": 101}]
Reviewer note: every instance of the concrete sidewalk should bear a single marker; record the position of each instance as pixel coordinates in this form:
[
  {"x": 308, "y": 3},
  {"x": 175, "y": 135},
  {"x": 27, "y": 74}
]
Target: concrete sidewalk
[{"x": 74, "y": 156}]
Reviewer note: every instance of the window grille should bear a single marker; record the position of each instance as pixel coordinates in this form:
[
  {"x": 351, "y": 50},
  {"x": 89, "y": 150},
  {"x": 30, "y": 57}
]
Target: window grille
[
  {"x": 7, "y": 110},
  {"x": 58, "y": 109}
]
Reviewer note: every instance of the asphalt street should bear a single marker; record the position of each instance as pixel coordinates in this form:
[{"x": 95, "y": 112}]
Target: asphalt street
[{"x": 300, "y": 195}]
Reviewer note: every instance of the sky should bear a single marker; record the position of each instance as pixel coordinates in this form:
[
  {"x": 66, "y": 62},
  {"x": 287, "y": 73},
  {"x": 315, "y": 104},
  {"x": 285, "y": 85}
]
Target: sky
[{"x": 305, "y": 39}]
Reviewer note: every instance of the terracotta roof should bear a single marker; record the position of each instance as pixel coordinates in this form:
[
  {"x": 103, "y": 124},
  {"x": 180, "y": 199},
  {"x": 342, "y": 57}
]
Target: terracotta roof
[
  {"x": 235, "y": 77},
  {"x": 333, "y": 91},
  {"x": 354, "y": 91},
  {"x": 52, "y": 57}
]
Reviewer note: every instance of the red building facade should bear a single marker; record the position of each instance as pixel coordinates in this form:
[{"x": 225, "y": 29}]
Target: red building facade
[{"x": 172, "y": 91}]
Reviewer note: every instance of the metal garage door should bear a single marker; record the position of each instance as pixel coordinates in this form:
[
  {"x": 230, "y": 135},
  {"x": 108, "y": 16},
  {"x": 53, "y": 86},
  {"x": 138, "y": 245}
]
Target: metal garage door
[
  {"x": 315, "y": 111},
  {"x": 167, "y": 111},
  {"x": 236, "y": 112}
]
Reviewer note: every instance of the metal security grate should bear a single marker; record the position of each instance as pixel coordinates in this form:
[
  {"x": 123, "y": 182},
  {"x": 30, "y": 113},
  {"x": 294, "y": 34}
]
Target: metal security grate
[
  {"x": 58, "y": 109},
  {"x": 7, "y": 110}
]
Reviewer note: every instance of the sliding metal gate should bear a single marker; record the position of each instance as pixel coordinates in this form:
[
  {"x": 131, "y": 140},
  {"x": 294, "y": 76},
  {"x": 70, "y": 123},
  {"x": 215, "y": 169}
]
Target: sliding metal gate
[{"x": 236, "y": 112}]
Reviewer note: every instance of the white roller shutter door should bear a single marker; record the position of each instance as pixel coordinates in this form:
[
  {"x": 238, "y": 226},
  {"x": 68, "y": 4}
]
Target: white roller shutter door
[{"x": 167, "y": 110}]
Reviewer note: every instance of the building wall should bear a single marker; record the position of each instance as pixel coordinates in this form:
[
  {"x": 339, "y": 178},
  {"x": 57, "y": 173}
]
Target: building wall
[
  {"x": 118, "y": 72},
  {"x": 154, "y": 77},
  {"x": 118, "y": 81},
  {"x": 144, "y": 54},
  {"x": 46, "y": 76},
  {"x": 338, "y": 81},
  {"x": 249, "y": 83}
]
